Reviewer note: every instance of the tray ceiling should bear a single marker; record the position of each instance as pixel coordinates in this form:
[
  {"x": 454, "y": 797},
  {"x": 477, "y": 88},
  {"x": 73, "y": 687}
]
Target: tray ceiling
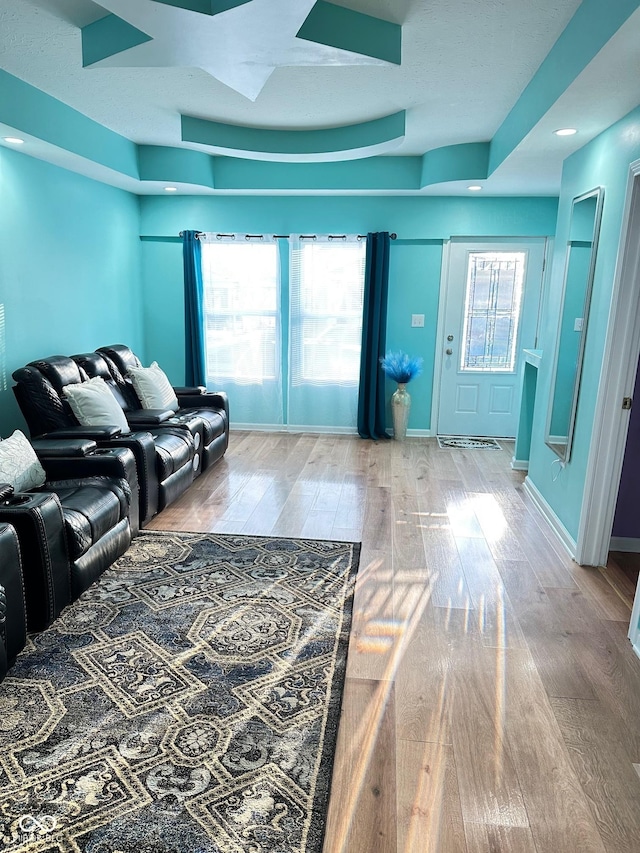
[{"x": 257, "y": 86}]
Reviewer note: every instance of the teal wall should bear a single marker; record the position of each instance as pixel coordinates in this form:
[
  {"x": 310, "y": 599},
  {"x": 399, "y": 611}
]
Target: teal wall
[
  {"x": 69, "y": 268},
  {"x": 74, "y": 274},
  {"x": 415, "y": 259},
  {"x": 603, "y": 162}
]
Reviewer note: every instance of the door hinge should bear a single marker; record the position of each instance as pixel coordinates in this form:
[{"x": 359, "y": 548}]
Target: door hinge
[{"x": 627, "y": 402}]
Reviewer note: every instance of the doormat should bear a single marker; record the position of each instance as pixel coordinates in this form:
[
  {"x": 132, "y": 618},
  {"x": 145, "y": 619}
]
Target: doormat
[
  {"x": 468, "y": 442},
  {"x": 188, "y": 701}
]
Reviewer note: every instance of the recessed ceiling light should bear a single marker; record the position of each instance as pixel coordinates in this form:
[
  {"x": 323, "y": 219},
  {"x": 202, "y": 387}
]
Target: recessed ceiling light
[
  {"x": 171, "y": 189},
  {"x": 565, "y": 131},
  {"x": 14, "y": 140},
  {"x": 474, "y": 188}
]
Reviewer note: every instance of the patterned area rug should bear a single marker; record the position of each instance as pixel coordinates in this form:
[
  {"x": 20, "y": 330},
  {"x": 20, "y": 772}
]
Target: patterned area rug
[
  {"x": 187, "y": 703},
  {"x": 468, "y": 442}
]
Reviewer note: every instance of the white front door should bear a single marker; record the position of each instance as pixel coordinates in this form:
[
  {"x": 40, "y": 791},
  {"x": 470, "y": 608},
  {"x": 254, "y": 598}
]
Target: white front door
[{"x": 492, "y": 302}]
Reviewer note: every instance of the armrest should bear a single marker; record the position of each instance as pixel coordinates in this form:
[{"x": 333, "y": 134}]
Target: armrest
[
  {"x": 211, "y": 400},
  {"x": 97, "y": 462},
  {"x": 143, "y": 448},
  {"x": 47, "y": 448},
  {"x": 97, "y": 433},
  {"x": 148, "y": 417},
  {"x": 192, "y": 390}
]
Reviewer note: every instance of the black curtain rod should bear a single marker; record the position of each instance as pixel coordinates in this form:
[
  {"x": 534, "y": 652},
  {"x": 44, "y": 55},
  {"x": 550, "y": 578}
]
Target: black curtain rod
[{"x": 287, "y": 236}]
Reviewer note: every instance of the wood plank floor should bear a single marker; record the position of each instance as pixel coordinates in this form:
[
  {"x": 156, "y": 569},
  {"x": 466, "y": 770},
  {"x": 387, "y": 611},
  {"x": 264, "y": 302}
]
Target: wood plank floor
[
  {"x": 622, "y": 571},
  {"x": 492, "y": 699}
]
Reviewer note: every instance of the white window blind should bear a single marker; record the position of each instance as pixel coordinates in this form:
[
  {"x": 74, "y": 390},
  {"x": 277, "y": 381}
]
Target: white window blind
[
  {"x": 326, "y": 295},
  {"x": 242, "y": 308}
]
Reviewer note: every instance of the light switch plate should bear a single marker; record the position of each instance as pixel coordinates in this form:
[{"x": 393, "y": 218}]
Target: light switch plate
[{"x": 417, "y": 321}]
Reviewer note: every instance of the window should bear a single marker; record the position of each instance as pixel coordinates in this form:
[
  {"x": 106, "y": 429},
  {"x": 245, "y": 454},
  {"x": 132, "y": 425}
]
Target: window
[
  {"x": 288, "y": 352},
  {"x": 327, "y": 288},
  {"x": 495, "y": 283},
  {"x": 241, "y": 296}
]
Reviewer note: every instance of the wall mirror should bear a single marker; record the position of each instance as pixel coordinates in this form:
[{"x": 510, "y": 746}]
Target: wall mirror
[{"x": 580, "y": 262}]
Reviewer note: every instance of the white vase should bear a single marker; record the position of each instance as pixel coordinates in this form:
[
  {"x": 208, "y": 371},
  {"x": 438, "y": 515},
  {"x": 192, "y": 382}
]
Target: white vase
[{"x": 400, "y": 407}]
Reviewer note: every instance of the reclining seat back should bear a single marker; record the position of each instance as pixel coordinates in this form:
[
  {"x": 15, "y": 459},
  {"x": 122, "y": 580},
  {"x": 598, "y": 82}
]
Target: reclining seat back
[
  {"x": 96, "y": 364},
  {"x": 39, "y": 392},
  {"x": 40, "y": 396},
  {"x": 122, "y": 356},
  {"x": 211, "y": 409}
]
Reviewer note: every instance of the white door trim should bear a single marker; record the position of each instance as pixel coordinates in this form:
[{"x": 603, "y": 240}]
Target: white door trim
[
  {"x": 437, "y": 363},
  {"x": 634, "y": 631},
  {"x": 617, "y": 378}
]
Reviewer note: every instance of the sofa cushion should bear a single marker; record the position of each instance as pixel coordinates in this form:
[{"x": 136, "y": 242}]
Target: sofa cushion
[
  {"x": 93, "y": 404},
  {"x": 214, "y": 422},
  {"x": 19, "y": 464},
  {"x": 89, "y": 513},
  {"x": 174, "y": 450},
  {"x": 153, "y": 388}
]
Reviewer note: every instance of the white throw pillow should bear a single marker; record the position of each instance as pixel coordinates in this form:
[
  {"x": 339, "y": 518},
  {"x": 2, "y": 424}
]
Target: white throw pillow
[
  {"x": 19, "y": 464},
  {"x": 93, "y": 404},
  {"x": 153, "y": 388}
]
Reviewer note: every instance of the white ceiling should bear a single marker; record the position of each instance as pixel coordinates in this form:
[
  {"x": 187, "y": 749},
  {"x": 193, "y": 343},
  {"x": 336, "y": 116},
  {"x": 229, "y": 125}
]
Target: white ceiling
[{"x": 464, "y": 65}]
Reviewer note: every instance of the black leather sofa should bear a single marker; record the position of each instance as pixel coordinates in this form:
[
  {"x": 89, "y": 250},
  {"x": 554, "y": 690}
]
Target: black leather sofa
[
  {"x": 94, "y": 364},
  {"x": 195, "y": 403},
  {"x": 13, "y": 617},
  {"x": 164, "y": 453},
  {"x": 70, "y": 530}
]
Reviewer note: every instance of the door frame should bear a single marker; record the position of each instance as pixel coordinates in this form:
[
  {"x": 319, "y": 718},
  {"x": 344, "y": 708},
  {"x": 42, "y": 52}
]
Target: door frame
[
  {"x": 617, "y": 379},
  {"x": 437, "y": 362},
  {"x": 442, "y": 306}
]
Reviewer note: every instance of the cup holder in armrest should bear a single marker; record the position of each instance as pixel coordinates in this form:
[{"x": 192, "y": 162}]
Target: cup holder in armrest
[
  {"x": 17, "y": 500},
  {"x": 101, "y": 451}
]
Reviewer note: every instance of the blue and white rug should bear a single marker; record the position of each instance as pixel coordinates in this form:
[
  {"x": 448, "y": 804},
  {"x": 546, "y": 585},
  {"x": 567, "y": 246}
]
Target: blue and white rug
[{"x": 188, "y": 701}]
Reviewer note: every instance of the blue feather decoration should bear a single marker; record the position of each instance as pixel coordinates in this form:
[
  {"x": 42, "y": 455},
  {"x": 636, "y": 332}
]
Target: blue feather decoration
[{"x": 401, "y": 367}]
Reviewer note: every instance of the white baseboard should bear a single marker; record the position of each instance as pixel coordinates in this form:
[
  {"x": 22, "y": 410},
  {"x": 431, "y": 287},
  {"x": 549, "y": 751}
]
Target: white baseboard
[
  {"x": 520, "y": 464},
  {"x": 625, "y": 543},
  {"x": 557, "y": 526},
  {"x": 318, "y": 430}
]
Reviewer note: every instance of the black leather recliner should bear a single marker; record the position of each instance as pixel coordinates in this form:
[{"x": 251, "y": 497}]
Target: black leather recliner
[
  {"x": 13, "y": 616},
  {"x": 70, "y": 530},
  {"x": 164, "y": 454},
  {"x": 195, "y": 402},
  {"x": 94, "y": 364}
]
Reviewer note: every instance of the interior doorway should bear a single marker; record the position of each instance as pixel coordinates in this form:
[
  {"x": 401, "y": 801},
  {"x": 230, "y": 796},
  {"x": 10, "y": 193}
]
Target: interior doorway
[
  {"x": 623, "y": 560},
  {"x": 612, "y": 415}
]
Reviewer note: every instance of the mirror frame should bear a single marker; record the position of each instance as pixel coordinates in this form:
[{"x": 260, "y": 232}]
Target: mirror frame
[{"x": 563, "y": 451}]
